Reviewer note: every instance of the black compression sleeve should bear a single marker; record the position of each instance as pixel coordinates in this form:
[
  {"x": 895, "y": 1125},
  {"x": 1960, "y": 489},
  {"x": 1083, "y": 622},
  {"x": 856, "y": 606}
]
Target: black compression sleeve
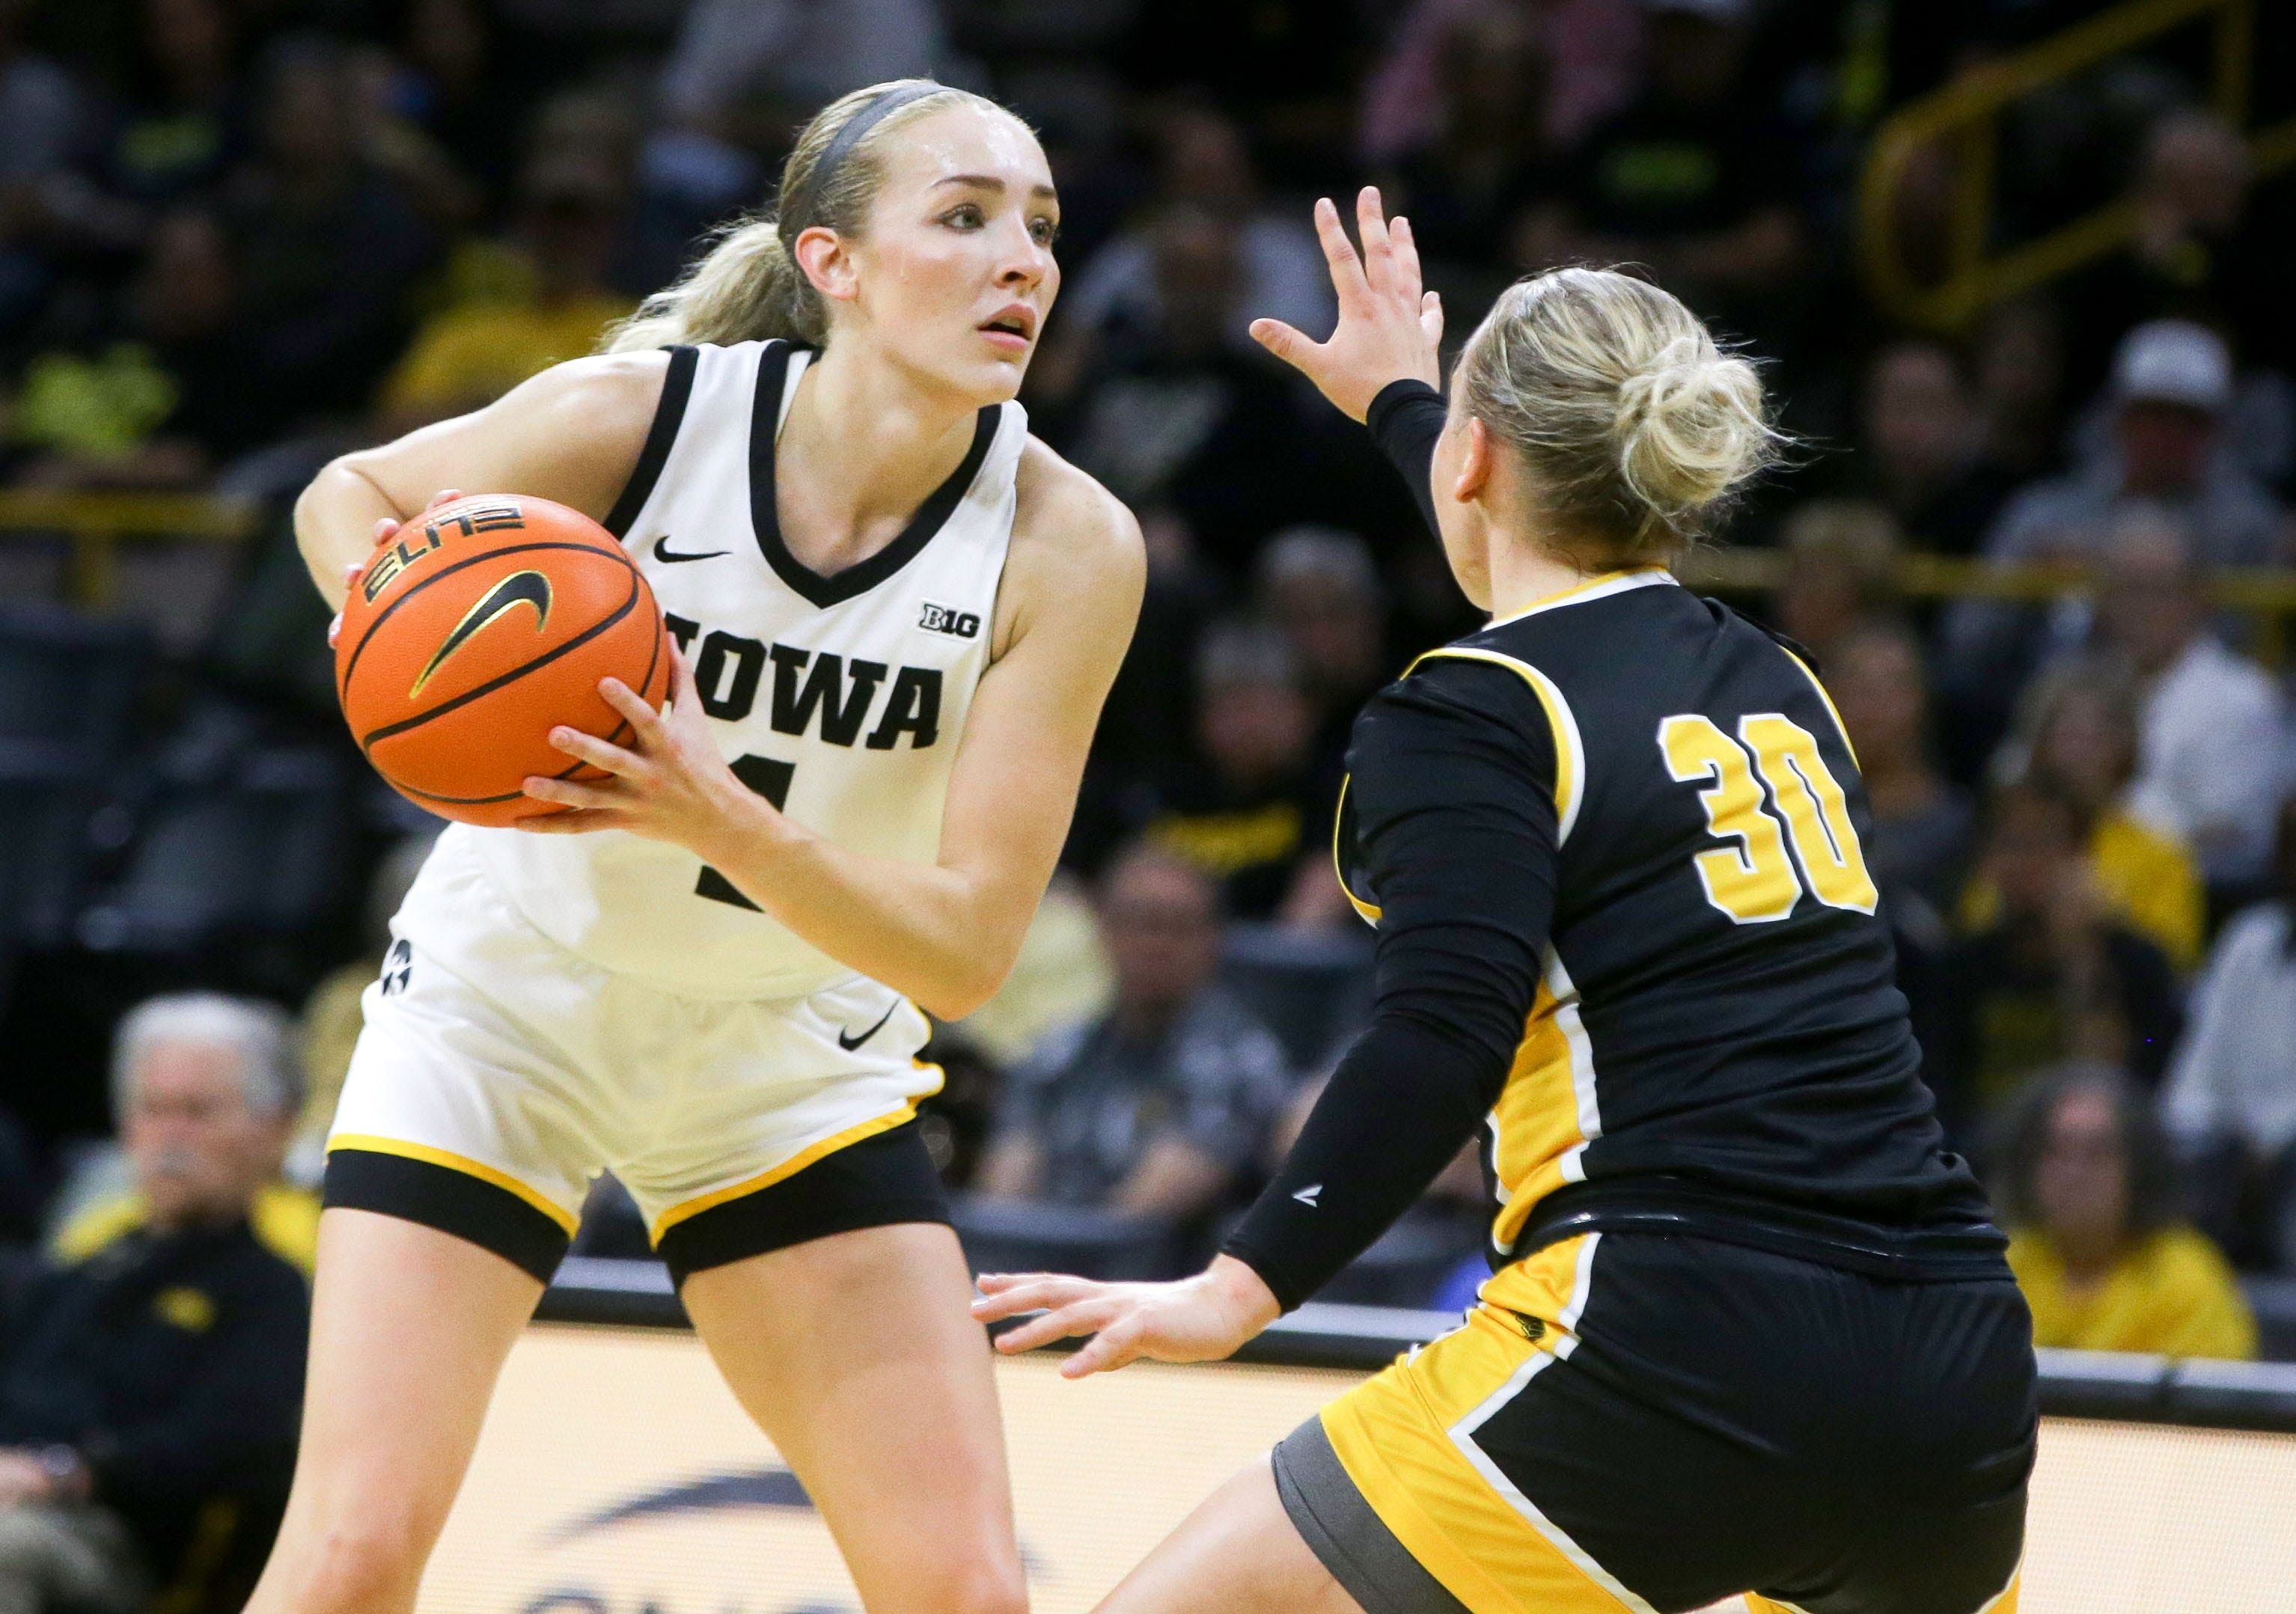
[
  {"x": 1405, "y": 420},
  {"x": 1453, "y": 796}
]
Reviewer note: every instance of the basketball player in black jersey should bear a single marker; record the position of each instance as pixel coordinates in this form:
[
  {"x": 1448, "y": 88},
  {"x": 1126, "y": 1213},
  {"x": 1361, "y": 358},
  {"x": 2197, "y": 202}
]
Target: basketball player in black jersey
[{"x": 1749, "y": 1329}]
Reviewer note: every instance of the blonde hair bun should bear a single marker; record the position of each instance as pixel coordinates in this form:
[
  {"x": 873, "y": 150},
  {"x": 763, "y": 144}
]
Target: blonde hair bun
[{"x": 1636, "y": 426}]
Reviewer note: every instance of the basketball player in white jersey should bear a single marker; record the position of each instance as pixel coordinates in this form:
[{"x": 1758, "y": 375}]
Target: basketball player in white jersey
[{"x": 898, "y": 615}]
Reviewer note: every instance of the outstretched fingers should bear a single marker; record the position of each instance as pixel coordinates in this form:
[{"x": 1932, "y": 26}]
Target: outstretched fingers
[
  {"x": 1408, "y": 284},
  {"x": 1378, "y": 250},
  {"x": 1339, "y": 253},
  {"x": 1084, "y": 1317}
]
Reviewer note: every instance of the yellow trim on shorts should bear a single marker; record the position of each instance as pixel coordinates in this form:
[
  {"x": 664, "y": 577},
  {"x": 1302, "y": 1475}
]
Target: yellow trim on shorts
[
  {"x": 452, "y": 1162},
  {"x": 791, "y": 1166},
  {"x": 1398, "y": 1435}
]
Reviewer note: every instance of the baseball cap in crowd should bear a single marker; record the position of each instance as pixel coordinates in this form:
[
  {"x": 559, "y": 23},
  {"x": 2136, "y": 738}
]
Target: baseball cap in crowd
[{"x": 2173, "y": 361}]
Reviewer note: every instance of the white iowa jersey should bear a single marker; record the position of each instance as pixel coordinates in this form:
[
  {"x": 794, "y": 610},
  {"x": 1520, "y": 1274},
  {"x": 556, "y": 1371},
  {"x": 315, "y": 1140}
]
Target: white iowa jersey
[{"x": 841, "y": 699}]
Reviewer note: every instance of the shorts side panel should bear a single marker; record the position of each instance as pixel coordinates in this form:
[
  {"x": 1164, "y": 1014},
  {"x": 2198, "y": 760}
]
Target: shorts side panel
[
  {"x": 473, "y": 1206},
  {"x": 881, "y": 1176},
  {"x": 447, "y": 1071},
  {"x": 1340, "y": 1529},
  {"x": 1405, "y": 1438}
]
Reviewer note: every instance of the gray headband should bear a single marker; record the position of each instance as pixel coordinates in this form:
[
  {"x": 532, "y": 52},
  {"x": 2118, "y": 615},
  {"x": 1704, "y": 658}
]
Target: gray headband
[{"x": 840, "y": 145}]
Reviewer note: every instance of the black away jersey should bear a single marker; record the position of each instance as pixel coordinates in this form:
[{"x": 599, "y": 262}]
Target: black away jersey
[{"x": 1713, "y": 1042}]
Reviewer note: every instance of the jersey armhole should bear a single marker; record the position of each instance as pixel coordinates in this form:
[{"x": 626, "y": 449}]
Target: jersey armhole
[
  {"x": 676, "y": 388},
  {"x": 1569, "y": 753}
]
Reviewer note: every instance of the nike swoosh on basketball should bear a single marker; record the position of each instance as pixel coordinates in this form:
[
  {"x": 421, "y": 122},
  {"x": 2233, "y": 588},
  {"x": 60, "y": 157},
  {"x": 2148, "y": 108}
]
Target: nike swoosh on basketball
[
  {"x": 850, "y": 1043},
  {"x": 663, "y": 551},
  {"x": 520, "y": 588}
]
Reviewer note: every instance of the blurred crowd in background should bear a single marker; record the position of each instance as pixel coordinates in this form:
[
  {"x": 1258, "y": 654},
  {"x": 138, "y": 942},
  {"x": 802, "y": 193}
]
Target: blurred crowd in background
[{"x": 238, "y": 237}]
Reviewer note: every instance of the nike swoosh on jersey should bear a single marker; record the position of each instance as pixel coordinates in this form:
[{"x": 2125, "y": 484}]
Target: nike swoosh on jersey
[
  {"x": 520, "y": 588},
  {"x": 663, "y": 551},
  {"x": 850, "y": 1043},
  {"x": 1308, "y": 1195}
]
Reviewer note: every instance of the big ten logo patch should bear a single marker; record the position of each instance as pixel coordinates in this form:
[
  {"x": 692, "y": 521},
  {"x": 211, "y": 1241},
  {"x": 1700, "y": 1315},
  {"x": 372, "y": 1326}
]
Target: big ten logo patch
[
  {"x": 411, "y": 547},
  {"x": 948, "y": 620}
]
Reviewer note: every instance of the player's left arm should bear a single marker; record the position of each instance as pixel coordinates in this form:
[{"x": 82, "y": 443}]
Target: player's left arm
[{"x": 944, "y": 934}]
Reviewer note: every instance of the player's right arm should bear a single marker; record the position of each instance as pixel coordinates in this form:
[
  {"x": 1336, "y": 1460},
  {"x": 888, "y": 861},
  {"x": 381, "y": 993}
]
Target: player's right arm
[{"x": 572, "y": 434}]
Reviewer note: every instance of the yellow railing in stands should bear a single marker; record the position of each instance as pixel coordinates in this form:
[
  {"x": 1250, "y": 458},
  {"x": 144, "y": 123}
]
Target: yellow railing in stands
[
  {"x": 95, "y": 523},
  {"x": 2264, "y": 594},
  {"x": 1962, "y": 112}
]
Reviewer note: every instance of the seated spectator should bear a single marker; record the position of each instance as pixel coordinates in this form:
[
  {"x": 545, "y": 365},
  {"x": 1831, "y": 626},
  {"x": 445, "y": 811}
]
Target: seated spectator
[
  {"x": 1204, "y": 166},
  {"x": 2231, "y": 1091},
  {"x": 2055, "y": 977},
  {"x": 545, "y": 299},
  {"x": 2212, "y": 755},
  {"x": 2078, "y": 735},
  {"x": 1165, "y": 403},
  {"x": 1322, "y": 590},
  {"x": 2198, "y": 251},
  {"x": 1254, "y": 811},
  {"x": 1691, "y": 178},
  {"x": 1486, "y": 158},
  {"x": 1592, "y": 49},
  {"x": 1160, "y": 1106},
  {"x": 1920, "y": 450},
  {"x": 2086, "y": 1182},
  {"x": 1842, "y": 570},
  {"x": 329, "y": 249},
  {"x": 161, "y": 1371},
  {"x": 1919, "y": 847},
  {"x": 2171, "y": 385}
]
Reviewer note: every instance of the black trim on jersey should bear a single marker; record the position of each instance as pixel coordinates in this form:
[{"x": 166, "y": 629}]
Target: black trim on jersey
[
  {"x": 455, "y": 1203},
  {"x": 883, "y": 1179},
  {"x": 764, "y": 517},
  {"x": 676, "y": 387}
]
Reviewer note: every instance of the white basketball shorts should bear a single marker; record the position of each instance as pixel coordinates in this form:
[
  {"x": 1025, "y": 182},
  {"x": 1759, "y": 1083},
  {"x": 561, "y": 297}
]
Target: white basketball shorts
[{"x": 498, "y": 1073}]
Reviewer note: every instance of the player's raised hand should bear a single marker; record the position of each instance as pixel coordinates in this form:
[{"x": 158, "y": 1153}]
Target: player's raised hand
[
  {"x": 1391, "y": 327},
  {"x": 1200, "y": 1319}
]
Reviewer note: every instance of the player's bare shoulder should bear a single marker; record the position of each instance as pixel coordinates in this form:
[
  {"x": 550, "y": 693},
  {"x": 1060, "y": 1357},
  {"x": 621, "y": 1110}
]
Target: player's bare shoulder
[{"x": 1074, "y": 544}]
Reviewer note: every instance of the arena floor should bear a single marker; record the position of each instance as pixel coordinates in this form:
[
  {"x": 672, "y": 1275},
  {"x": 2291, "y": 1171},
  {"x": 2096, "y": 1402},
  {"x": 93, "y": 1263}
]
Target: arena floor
[{"x": 616, "y": 1476}]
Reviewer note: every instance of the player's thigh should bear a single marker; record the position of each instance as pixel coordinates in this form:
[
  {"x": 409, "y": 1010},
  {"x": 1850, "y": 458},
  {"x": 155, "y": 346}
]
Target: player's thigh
[
  {"x": 857, "y": 1355},
  {"x": 409, "y": 1329},
  {"x": 1237, "y": 1553}
]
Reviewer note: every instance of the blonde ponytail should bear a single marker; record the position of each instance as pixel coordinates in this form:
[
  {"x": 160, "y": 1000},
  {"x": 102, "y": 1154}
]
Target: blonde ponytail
[
  {"x": 1636, "y": 426},
  {"x": 748, "y": 285}
]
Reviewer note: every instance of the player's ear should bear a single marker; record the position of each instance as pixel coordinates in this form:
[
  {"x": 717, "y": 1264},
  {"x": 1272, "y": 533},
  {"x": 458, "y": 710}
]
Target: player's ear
[
  {"x": 823, "y": 258},
  {"x": 1477, "y": 457}
]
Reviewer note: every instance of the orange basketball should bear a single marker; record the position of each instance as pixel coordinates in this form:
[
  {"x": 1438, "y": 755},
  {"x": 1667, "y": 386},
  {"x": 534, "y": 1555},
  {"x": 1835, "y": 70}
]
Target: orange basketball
[{"x": 480, "y": 627}]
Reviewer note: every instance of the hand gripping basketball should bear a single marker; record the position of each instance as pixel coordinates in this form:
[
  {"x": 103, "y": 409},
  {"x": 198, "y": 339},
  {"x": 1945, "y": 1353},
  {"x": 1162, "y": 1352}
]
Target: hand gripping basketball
[
  {"x": 473, "y": 630},
  {"x": 670, "y": 784}
]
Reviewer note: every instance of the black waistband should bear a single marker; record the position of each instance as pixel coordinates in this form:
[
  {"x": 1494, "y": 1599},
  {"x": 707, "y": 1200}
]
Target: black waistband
[{"x": 1946, "y": 1251}]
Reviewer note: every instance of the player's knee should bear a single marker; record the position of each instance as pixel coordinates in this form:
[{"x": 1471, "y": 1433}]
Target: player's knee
[{"x": 976, "y": 1584}]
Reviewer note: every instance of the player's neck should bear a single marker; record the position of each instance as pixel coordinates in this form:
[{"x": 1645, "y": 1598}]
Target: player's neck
[
  {"x": 864, "y": 445},
  {"x": 1522, "y": 575}
]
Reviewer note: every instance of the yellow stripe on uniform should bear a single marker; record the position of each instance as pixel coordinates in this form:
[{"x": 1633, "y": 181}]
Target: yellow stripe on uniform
[
  {"x": 1369, "y": 912},
  {"x": 454, "y": 1162},
  {"x": 1547, "y": 1112},
  {"x": 1405, "y": 1439},
  {"x": 1817, "y": 684},
  {"x": 788, "y": 1168},
  {"x": 1569, "y": 755}
]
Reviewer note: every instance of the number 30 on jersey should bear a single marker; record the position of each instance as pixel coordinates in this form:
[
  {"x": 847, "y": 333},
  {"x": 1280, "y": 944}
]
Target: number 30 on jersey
[{"x": 1754, "y": 880}]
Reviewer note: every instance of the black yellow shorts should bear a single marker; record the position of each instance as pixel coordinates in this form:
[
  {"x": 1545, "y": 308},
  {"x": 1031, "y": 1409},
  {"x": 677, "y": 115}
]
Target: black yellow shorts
[{"x": 1653, "y": 1424}]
